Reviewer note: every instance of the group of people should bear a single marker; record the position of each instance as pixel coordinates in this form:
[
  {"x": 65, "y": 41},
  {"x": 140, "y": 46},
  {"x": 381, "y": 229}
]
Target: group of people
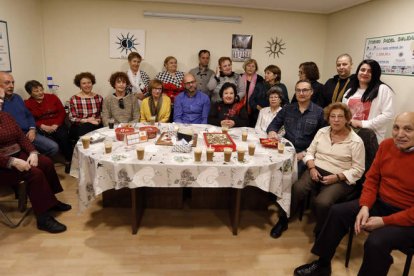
[{"x": 321, "y": 121}]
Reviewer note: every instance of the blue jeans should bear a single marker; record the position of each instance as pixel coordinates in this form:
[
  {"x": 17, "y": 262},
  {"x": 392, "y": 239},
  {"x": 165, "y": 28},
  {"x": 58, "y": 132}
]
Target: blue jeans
[{"x": 45, "y": 145}]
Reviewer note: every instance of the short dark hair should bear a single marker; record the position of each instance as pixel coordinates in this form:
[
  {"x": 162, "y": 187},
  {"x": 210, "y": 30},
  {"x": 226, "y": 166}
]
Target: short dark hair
[
  {"x": 278, "y": 91},
  {"x": 86, "y": 75},
  {"x": 118, "y": 75},
  {"x": 227, "y": 85},
  {"x": 203, "y": 52},
  {"x": 311, "y": 70},
  {"x": 275, "y": 70},
  {"x": 133, "y": 55},
  {"x": 338, "y": 105},
  {"x": 305, "y": 81},
  {"x": 30, "y": 85}
]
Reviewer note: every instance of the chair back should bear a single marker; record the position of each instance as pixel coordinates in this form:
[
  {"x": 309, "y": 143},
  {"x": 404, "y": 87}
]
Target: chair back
[{"x": 371, "y": 147}]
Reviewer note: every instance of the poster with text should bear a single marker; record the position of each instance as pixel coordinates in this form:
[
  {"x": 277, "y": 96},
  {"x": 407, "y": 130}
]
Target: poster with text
[
  {"x": 241, "y": 47},
  {"x": 5, "y": 62},
  {"x": 395, "y": 53},
  {"x": 124, "y": 41}
]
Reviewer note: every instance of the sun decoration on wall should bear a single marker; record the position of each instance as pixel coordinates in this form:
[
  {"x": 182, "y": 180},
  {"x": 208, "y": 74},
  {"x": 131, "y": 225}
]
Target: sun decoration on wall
[
  {"x": 127, "y": 43},
  {"x": 275, "y": 47}
]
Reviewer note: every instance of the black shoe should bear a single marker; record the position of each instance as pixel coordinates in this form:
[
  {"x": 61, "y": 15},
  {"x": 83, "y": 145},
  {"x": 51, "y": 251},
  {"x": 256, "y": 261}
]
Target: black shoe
[
  {"x": 50, "y": 224},
  {"x": 67, "y": 167},
  {"x": 61, "y": 207},
  {"x": 279, "y": 228},
  {"x": 313, "y": 269}
]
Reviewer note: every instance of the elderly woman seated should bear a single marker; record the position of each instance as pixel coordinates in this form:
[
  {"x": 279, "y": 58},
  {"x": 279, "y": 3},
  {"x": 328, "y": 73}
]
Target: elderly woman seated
[
  {"x": 267, "y": 114},
  {"x": 49, "y": 114},
  {"x": 335, "y": 161},
  {"x": 228, "y": 112},
  {"x": 19, "y": 160},
  {"x": 121, "y": 107}
]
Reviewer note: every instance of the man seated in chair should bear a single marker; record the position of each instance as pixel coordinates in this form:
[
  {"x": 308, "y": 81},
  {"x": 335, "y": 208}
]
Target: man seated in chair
[{"x": 385, "y": 209}]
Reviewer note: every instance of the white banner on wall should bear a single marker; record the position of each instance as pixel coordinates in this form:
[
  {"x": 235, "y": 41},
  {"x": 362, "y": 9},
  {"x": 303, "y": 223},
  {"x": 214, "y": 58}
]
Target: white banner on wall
[
  {"x": 395, "y": 53},
  {"x": 124, "y": 41},
  {"x": 5, "y": 63}
]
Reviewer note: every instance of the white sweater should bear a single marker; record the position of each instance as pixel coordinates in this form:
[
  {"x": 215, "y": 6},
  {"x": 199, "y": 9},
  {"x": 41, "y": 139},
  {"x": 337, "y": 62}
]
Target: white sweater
[{"x": 382, "y": 110}]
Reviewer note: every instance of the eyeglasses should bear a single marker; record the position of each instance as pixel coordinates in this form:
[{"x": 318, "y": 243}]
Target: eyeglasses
[
  {"x": 303, "y": 91},
  {"x": 190, "y": 82},
  {"x": 334, "y": 116},
  {"x": 157, "y": 89},
  {"x": 121, "y": 103}
]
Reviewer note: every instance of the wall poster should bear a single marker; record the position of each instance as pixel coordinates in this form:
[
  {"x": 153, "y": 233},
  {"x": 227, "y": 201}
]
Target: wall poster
[
  {"x": 395, "y": 53},
  {"x": 241, "y": 47},
  {"x": 5, "y": 62},
  {"x": 123, "y": 41}
]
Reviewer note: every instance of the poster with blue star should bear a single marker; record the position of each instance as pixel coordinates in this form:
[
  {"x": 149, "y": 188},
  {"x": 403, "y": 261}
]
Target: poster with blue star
[{"x": 124, "y": 41}]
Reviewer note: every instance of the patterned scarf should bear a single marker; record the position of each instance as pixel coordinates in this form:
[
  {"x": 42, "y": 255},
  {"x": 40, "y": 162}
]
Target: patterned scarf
[
  {"x": 251, "y": 89},
  {"x": 155, "y": 110}
]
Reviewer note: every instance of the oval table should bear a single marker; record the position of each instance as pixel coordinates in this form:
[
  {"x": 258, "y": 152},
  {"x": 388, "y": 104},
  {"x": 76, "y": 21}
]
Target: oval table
[{"x": 97, "y": 171}]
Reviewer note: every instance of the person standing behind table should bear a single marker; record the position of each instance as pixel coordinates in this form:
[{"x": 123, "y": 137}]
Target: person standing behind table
[
  {"x": 224, "y": 73},
  {"x": 191, "y": 106},
  {"x": 250, "y": 80},
  {"x": 172, "y": 80},
  {"x": 385, "y": 209},
  {"x": 371, "y": 101},
  {"x": 14, "y": 105},
  {"x": 138, "y": 79},
  {"x": 157, "y": 104},
  {"x": 85, "y": 107},
  {"x": 259, "y": 98},
  {"x": 267, "y": 114},
  {"x": 334, "y": 88},
  {"x": 49, "y": 115},
  {"x": 203, "y": 73},
  {"x": 310, "y": 71},
  {"x": 229, "y": 112},
  {"x": 19, "y": 160},
  {"x": 120, "y": 106},
  {"x": 301, "y": 121},
  {"x": 335, "y": 161}
]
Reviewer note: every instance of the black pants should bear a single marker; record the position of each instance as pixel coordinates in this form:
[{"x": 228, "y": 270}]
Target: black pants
[
  {"x": 379, "y": 244},
  {"x": 61, "y": 136}
]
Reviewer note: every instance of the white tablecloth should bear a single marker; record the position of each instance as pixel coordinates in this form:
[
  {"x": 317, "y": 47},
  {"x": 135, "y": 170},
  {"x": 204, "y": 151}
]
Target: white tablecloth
[{"x": 98, "y": 172}]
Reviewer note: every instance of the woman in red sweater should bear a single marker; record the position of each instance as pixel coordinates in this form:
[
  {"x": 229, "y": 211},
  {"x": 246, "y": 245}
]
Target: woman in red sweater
[{"x": 49, "y": 114}]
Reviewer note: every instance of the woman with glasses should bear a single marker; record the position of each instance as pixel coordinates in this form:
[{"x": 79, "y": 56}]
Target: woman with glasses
[
  {"x": 370, "y": 100},
  {"x": 171, "y": 78},
  {"x": 267, "y": 114},
  {"x": 335, "y": 160},
  {"x": 120, "y": 106},
  {"x": 310, "y": 71},
  {"x": 157, "y": 105},
  {"x": 85, "y": 107},
  {"x": 229, "y": 112}
]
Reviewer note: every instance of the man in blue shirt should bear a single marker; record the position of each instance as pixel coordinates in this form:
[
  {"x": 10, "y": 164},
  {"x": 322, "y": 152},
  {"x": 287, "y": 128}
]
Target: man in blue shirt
[
  {"x": 14, "y": 105},
  {"x": 301, "y": 120},
  {"x": 191, "y": 106}
]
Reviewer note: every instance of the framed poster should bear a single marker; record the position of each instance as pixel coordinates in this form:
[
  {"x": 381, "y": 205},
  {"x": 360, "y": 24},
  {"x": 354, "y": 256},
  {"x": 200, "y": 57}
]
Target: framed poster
[
  {"x": 395, "y": 53},
  {"x": 5, "y": 62},
  {"x": 241, "y": 47},
  {"x": 123, "y": 41}
]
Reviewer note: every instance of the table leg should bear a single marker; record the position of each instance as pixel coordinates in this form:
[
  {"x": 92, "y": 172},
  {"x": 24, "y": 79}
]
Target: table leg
[
  {"x": 235, "y": 210},
  {"x": 137, "y": 207}
]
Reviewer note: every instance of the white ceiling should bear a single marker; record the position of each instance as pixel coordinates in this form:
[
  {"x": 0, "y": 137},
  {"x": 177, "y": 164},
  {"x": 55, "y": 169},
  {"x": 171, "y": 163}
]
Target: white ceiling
[{"x": 311, "y": 6}]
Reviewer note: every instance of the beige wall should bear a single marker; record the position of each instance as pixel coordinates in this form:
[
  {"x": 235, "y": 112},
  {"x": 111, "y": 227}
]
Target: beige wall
[
  {"x": 24, "y": 22},
  {"x": 348, "y": 29},
  {"x": 62, "y": 38}
]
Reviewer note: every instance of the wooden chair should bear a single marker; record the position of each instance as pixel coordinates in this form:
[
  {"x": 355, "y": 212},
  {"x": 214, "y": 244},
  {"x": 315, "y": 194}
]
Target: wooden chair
[
  {"x": 21, "y": 199},
  {"x": 407, "y": 251}
]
